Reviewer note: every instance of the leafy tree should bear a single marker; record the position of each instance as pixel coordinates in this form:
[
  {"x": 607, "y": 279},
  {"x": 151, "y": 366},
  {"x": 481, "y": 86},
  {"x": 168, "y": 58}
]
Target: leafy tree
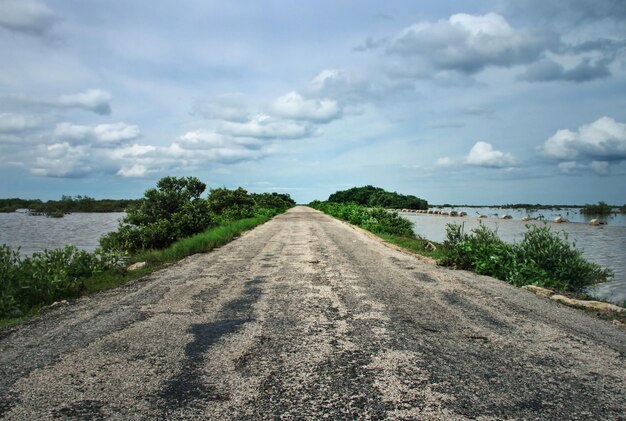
[
  {"x": 167, "y": 213},
  {"x": 231, "y": 204},
  {"x": 376, "y": 197}
]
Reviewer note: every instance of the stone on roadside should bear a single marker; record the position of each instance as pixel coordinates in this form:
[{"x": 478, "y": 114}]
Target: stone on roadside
[
  {"x": 136, "y": 266},
  {"x": 594, "y": 305},
  {"x": 544, "y": 292},
  {"x": 429, "y": 246}
]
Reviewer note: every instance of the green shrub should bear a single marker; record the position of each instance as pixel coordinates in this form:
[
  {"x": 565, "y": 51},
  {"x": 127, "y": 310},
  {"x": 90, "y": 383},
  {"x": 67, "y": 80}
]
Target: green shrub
[
  {"x": 48, "y": 276},
  {"x": 542, "y": 258},
  {"x": 377, "y": 220},
  {"x": 599, "y": 209},
  {"x": 230, "y": 205},
  {"x": 172, "y": 211}
]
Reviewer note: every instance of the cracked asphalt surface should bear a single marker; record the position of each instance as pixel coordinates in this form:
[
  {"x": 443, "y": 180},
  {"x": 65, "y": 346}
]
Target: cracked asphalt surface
[{"x": 306, "y": 317}]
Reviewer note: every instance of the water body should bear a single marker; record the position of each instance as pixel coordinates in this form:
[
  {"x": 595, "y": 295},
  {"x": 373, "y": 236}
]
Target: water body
[
  {"x": 604, "y": 244},
  {"x": 36, "y": 233}
]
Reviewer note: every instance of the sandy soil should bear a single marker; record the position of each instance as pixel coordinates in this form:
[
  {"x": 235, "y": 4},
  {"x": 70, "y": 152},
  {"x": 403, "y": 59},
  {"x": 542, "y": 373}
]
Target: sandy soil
[{"x": 306, "y": 317}]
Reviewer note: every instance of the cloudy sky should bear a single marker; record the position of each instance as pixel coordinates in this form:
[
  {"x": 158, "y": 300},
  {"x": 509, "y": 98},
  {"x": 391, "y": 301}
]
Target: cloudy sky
[{"x": 478, "y": 102}]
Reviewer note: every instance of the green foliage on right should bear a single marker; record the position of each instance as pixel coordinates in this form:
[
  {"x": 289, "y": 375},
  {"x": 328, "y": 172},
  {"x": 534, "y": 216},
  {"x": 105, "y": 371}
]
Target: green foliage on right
[
  {"x": 542, "y": 258},
  {"x": 599, "y": 209},
  {"x": 376, "y": 220},
  {"x": 376, "y": 197}
]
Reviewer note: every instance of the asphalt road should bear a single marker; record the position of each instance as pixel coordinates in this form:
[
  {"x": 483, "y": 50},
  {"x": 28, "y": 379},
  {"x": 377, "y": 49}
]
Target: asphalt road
[{"x": 306, "y": 317}]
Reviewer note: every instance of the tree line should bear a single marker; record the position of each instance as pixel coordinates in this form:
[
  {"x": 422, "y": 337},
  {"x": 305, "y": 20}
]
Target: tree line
[{"x": 377, "y": 197}]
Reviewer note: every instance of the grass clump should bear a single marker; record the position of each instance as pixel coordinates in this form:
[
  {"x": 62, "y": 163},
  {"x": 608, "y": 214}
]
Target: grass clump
[{"x": 543, "y": 258}]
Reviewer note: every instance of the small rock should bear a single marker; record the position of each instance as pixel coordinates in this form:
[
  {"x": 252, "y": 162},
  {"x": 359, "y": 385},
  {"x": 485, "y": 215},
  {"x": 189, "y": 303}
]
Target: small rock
[
  {"x": 560, "y": 219},
  {"x": 58, "y": 304},
  {"x": 544, "y": 292},
  {"x": 15, "y": 313},
  {"x": 136, "y": 266},
  {"x": 430, "y": 246},
  {"x": 595, "y": 305},
  {"x": 619, "y": 324}
]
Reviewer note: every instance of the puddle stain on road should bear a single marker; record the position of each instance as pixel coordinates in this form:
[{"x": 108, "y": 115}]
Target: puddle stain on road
[{"x": 188, "y": 385}]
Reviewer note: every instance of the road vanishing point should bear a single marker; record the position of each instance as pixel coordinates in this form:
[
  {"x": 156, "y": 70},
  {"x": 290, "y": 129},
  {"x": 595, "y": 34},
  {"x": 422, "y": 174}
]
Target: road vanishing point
[{"x": 306, "y": 317}]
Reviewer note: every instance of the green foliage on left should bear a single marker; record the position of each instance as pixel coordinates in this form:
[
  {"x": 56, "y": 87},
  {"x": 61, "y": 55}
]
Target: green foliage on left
[
  {"x": 48, "y": 276},
  {"x": 171, "y": 222},
  {"x": 542, "y": 258},
  {"x": 172, "y": 210},
  {"x": 175, "y": 210},
  {"x": 67, "y": 204}
]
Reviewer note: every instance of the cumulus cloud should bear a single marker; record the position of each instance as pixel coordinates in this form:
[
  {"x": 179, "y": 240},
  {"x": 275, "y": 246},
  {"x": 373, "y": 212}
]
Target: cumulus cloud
[
  {"x": 483, "y": 154},
  {"x": 62, "y": 160},
  {"x": 133, "y": 171},
  {"x": 294, "y": 106},
  {"x": 26, "y": 16},
  {"x": 98, "y": 135},
  {"x": 11, "y": 123},
  {"x": 547, "y": 70},
  {"x": 469, "y": 43},
  {"x": 602, "y": 140},
  {"x": 229, "y": 107},
  {"x": 262, "y": 126}
]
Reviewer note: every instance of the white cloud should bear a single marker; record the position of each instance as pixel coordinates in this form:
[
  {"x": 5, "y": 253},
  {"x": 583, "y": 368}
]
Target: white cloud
[
  {"x": 62, "y": 160},
  {"x": 101, "y": 134},
  {"x": 11, "y": 123},
  {"x": 468, "y": 44},
  {"x": 483, "y": 154},
  {"x": 95, "y": 100},
  {"x": 263, "y": 126},
  {"x": 133, "y": 171},
  {"x": 294, "y": 106},
  {"x": 26, "y": 16},
  {"x": 602, "y": 140}
]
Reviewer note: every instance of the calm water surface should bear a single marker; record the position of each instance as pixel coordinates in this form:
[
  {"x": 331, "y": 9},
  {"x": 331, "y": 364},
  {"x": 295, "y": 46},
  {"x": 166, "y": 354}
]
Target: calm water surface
[
  {"x": 604, "y": 244},
  {"x": 36, "y": 233}
]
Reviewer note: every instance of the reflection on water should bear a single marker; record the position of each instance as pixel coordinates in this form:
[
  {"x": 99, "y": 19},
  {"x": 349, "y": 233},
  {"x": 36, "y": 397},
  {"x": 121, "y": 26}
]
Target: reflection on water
[
  {"x": 604, "y": 244},
  {"x": 36, "y": 233}
]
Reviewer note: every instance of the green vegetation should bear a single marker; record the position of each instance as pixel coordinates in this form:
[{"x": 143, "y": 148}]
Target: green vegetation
[
  {"x": 377, "y": 220},
  {"x": 175, "y": 210},
  {"x": 600, "y": 209},
  {"x": 47, "y": 276},
  {"x": 66, "y": 204},
  {"x": 171, "y": 222},
  {"x": 542, "y": 258},
  {"x": 376, "y": 197}
]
